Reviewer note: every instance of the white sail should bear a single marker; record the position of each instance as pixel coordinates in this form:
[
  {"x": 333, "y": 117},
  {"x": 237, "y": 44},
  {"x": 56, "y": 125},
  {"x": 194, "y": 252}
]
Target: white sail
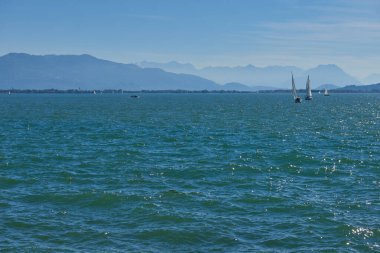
[
  {"x": 308, "y": 87},
  {"x": 326, "y": 92},
  {"x": 294, "y": 91}
]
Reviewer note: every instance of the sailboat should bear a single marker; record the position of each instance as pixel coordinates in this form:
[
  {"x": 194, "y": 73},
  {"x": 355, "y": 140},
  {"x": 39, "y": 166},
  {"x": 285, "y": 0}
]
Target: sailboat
[
  {"x": 309, "y": 96},
  {"x": 326, "y": 93},
  {"x": 297, "y": 99}
]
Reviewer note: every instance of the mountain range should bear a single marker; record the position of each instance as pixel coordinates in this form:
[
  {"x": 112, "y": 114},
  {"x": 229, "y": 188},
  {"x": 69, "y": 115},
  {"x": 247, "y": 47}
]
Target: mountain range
[
  {"x": 24, "y": 71},
  {"x": 275, "y": 76}
]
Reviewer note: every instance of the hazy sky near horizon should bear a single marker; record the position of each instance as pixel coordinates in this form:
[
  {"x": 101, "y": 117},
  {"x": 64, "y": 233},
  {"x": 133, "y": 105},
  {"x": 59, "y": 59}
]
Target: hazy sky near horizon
[{"x": 201, "y": 32}]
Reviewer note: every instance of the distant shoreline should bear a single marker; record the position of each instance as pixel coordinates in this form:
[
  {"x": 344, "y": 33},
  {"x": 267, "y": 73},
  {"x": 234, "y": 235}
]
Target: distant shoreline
[{"x": 118, "y": 91}]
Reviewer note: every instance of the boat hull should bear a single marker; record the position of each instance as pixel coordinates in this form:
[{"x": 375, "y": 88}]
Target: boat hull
[
  {"x": 297, "y": 100},
  {"x": 308, "y": 98}
]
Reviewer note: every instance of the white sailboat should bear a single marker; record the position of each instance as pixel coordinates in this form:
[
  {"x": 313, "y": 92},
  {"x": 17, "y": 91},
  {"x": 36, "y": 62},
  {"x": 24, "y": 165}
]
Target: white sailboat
[
  {"x": 297, "y": 99},
  {"x": 309, "y": 96},
  {"x": 326, "y": 93}
]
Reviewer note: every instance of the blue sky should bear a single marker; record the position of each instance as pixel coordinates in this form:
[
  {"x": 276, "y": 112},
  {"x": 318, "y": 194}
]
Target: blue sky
[{"x": 203, "y": 32}]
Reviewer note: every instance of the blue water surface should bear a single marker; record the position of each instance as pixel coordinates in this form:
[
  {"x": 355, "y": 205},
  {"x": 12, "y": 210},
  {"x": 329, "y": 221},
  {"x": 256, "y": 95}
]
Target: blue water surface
[{"x": 189, "y": 173}]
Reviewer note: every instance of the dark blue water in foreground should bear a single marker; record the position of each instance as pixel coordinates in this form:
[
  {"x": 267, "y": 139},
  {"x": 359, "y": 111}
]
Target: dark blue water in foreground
[{"x": 189, "y": 172}]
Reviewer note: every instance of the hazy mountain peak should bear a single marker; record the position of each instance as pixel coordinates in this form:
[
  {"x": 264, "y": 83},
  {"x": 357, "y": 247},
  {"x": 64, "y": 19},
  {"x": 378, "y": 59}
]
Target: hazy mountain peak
[
  {"x": 25, "y": 55},
  {"x": 88, "y": 56},
  {"x": 172, "y": 66},
  {"x": 330, "y": 67},
  {"x": 372, "y": 78},
  {"x": 329, "y": 74}
]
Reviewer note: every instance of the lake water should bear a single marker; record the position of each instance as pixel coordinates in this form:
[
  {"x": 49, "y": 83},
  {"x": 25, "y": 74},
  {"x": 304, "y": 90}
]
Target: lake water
[{"x": 189, "y": 173}]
